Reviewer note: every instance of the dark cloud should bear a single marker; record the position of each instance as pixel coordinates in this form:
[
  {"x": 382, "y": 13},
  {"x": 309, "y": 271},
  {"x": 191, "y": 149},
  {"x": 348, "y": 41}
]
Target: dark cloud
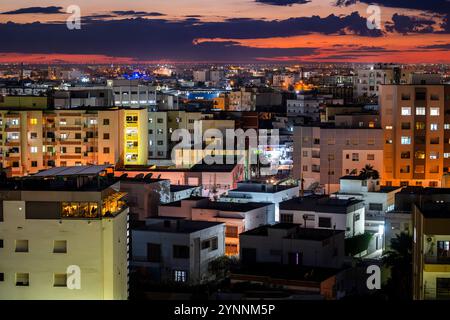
[
  {"x": 155, "y": 39},
  {"x": 36, "y": 10},
  {"x": 138, "y": 13},
  {"x": 445, "y": 46},
  {"x": 407, "y": 24},
  {"x": 439, "y": 6},
  {"x": 282, "y": 2}
]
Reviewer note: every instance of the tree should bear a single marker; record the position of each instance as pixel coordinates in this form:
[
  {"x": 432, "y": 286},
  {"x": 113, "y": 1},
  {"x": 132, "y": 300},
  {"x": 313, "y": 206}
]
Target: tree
[
  {"x": 369, "y": 172},
  {"x": 221, "y": 266},
  {"x": 399, "y": 260}
]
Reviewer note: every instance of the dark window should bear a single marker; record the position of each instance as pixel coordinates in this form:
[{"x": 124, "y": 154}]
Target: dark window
[
  {"x": 206, "y": 244},
  {"x": 421, "y": 96},
  {"x": 214, "y": 243},
  {"x": 106, "y": 122},
  {"x": 15, "y": 164},
  {"x": 376, "y": 206},
  {"x": 77, "y": 149},
  {"x": 324, "y": 222},
  {"x": 443, "y": 288},
  {"x": 105, "y": 150},
  {"x": 1, "y": 243},
  {"x": 77, "y": 135},
  {"x": 443, "y": 250},
  {"x": 181, "y": 252},
  {"x": 2, "y": 277},
  {"x": 295, "y": 258},
  {"x": 34, "y": 164},
  {"x": 286, "y": 218},
  {"x": 153, "y": 252},
  {"x": 406, "y": 125},
  {"x": 106, "y": 136}
]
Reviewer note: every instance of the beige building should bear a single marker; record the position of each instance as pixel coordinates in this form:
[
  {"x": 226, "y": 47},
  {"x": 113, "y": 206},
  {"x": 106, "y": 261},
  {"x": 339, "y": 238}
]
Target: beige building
[
  {"x": 431, "y": 251},
  {"x": 64, "y": 235},
  {"x": 416, "y": 124},
  {"x": 33, "y": 140}
]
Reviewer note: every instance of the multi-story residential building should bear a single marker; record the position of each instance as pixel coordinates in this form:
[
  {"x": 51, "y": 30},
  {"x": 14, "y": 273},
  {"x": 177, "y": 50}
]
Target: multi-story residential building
[
  {"x": 33, "y": 140},
  {"x": 377, "y": 200},
  {"x": 324, "y": 153},
  {"x": 253, "y": 191},
  {"x": 131, "y": 93},
  {"x": 431, "y": 251},
  {"x": 63, "y": 235},
  {"x": 288, "y": 243},
  {"x": 310, "y": 105},
  {"x": 325, "y": 213},
  {"x": 75, "y": 97},
  {"x": 369, "y": 80},
  {"x": 242, "y": 100},
  {"x": 238, "y": 217},
  {"x": 177, "y": 250},
  {"x": 416, "y": 124}
]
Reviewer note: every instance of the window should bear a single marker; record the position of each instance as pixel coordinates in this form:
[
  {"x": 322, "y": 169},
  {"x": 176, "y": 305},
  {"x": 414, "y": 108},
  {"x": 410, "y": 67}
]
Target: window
[
  {"x": 305, "y": 168},
  {"x": 60, "y": 246},
  {"x": 33, "y": 121},
  {"x": 370, "y": 157},
  {"x": 388, "y": 127},
  {"x": 180, "y": 276},
  {"x": 406, "y": 125},
  {"x": 420, "y": 125},
  {"x": 77, "y": 149},
  {"x": 33, "y": 135},
  {"x": 446, "y": 155},
  {"x": 214, "y": 244},
  {"x": 106, "y": 136},
  {"x": 419, "y": 154},
  {"x": 22, "y": 279},
  {"x": 153, "y": 252},
  {"x": 93, "y": 121},
  {"x": 434, "y": 155},
  {"x": 433, "y": 184},
  {"x": 405, "y": 155},
  {"x": 443, "y": 288},
  {"x": 376, "y": 206},
  {"x": 405, "y": 169},
  {"x": 406, "y": 111},
  {"x": 33, "y": 149},
  {"x": 433, "y": 127},
  {"x": 406, "y": 140},
  {"x": 324, "y": 222},
  {"x": 160, "y": 142},
  {"x": 286, "y": 218},
  {"x": 2, "y": 277},
  {"x": 21, "y": 245},
  {"x": 160, "y": 120},
  {"x": 1, "y": 243},
  {"x": 181, "y": 252},
  {"x": 60, "y": 280},
  {"x": 355, "y": 156},
  {"x": 434, "y": 140},
  {"x": 106, "y": 122},
  {"x": 420, "y": 111},
  {"x": 231, "y": 231},
  {"x": 63, "y": 122},
  {"x": 305, "y": 153},
  {"x": 106, "y": 150},
  {"x": 434, "y": 111}
]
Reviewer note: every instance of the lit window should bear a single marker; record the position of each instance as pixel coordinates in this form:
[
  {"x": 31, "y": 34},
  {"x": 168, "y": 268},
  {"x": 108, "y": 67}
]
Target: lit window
[
  {"x": 406, "y": 111},
  {"x": 93, "y": 121},
  {"x": 433, "y": 127},
  {"x": 447, "y": 126},
  {"x": 434, "y": 155},
  {"x": 33, "y": 121},
  {"x": 180, "y": 276},
  {"x": 406, "y": 140},
  {"x": 33, "y": 149},
  {"x": 434, "y": 111},
  {"x": 388, "y": 127},
  {"x": 63, "y": 122},
  {"x": 446, "y": 155},
  {"x": 420, "y": 111}
]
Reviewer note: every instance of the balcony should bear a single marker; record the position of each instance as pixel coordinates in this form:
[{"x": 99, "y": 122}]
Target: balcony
[{"x": 430, "y": 259}]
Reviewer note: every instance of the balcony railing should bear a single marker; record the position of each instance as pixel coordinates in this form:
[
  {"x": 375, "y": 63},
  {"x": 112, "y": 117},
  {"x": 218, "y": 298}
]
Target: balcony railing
[{"x": 436, "y": 260}]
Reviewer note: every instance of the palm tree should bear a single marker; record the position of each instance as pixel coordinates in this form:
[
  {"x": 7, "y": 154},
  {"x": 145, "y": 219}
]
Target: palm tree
[
  {"x": 369, "y": 172},
  {"x": 399, "y": 260}
]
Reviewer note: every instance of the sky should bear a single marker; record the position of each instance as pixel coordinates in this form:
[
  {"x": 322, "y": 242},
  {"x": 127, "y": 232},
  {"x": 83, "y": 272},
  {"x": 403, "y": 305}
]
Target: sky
[{"x": 225, "y": 31}]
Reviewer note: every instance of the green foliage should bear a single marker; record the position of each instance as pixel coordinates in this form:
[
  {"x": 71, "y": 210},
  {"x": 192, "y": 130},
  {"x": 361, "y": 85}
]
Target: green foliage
[{"x": 357, "y": 244}]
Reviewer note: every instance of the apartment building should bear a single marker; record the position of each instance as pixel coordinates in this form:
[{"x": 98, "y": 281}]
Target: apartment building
[
  {"x": 325, "y": 213},
  {"x": 416, "y": 124},
  {"x": 33, "y": 140},
  {"x": 177, "y": 250},
  {"x": 323, "y": 153},
  {"x": 238, "y": 217},
  {"x": 431, "y": 251},
  {"x": 63, "y": 235},
  {"x": 368, "y": 80},
  {"x": 291, "y": 244},
  {"x": 132, "y": 93}
]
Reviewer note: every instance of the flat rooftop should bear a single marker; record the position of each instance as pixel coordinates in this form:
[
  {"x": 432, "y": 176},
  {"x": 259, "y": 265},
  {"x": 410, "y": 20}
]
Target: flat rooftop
[
  {"x": 233, "y": 206},
  {"x": 295, "y": 231},
  {"x": 435, "y": 210},
  {"x": 258, "y": 187},
  {"x": 72, "y": 171},
  {"x": 321, "y": 204},
  {"x": 177, "y": 188},
  {"x": 171, "y": 225}
]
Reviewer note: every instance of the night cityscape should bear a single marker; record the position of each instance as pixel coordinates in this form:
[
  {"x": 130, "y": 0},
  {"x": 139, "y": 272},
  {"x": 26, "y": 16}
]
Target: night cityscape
[{"x": 251, "y": 150}]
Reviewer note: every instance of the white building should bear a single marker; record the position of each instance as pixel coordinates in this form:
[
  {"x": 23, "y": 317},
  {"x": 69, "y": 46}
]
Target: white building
[
  {"x": 177, "y": 250},
  {"x": 377, "y": 201},
  {"x": 252, "y": 191},
  {"x": 291, "y": 244},
  {"x": 324, "y": 212},
  {"x": 63, "y": 227},
  {"x": 238, "y": 217}
]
